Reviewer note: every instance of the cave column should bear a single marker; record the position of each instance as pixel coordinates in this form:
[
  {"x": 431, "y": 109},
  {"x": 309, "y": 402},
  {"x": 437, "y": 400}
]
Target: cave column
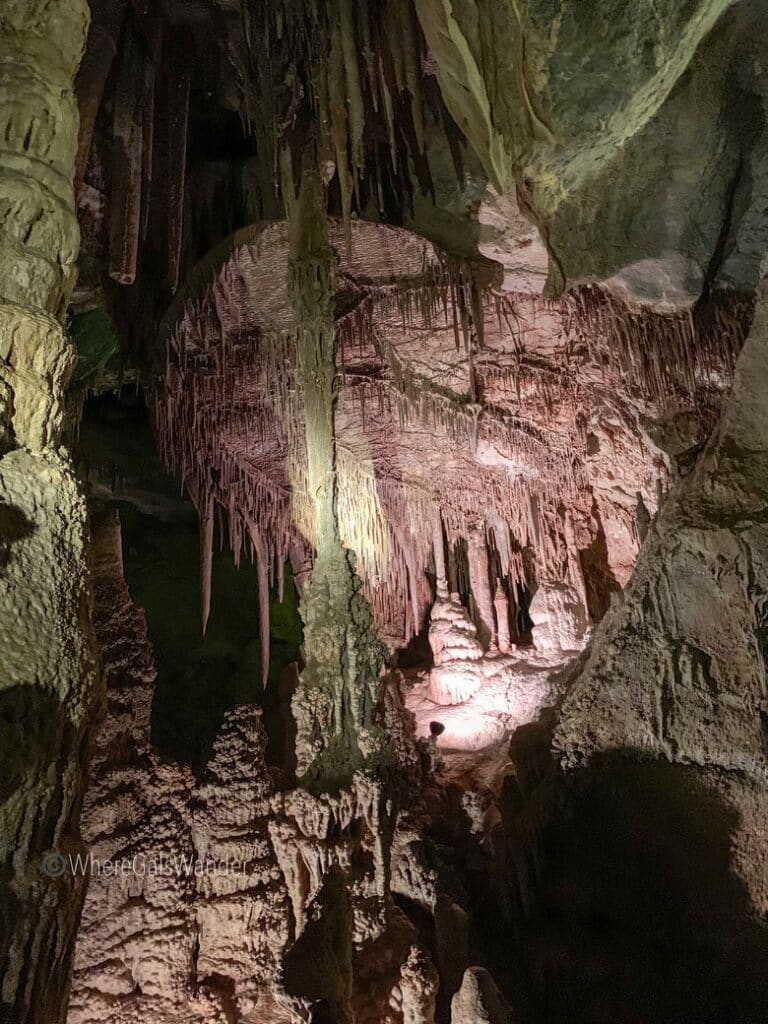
[
  {"x": 47, "y": 683},
  {"x": 501, "y": 606},
  {"x": 312, "y": 273},
  {"x": 334, "y": 702},
  {"x": 480, "y": 583},
  {"x": 438, "y": 546}
]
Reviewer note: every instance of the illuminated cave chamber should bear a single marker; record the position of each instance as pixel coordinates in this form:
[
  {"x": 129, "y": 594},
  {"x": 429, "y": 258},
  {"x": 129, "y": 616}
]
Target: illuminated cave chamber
[
  {"x": 478, "y": 434},
  {"x": 499, "y": 460},
  {"x": 383, "y": 491}
]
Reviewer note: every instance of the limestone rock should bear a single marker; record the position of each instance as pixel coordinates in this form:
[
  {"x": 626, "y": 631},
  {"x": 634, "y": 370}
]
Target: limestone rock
[
  {"x": 478, "y": 1000},
  {"x": 595, "y": 132},
  {"x": 48, "y": 677},
  {"x": 184, "y": 889},
  {"x": 511, "y": 239},
  {"x": 560, "y": 619},
  {"x": 418, "y": 986},
  {"x": 677, "y": 670}
]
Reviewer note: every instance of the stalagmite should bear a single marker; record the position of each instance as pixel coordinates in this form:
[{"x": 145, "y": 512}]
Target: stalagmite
[
  {"x": 501, "y": 608},
  {"x": 456, "y": 652},
  {"x": 478, "y": 1001},
  {"x": 418, "y": 988}
]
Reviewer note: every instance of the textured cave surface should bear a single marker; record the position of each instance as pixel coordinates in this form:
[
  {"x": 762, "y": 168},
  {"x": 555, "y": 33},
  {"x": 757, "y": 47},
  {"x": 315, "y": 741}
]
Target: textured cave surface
[{"x": 383, "y": 501}]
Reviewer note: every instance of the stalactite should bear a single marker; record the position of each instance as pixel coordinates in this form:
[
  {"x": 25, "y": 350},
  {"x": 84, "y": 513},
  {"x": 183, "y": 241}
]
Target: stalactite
[
  {"x": 177, "y": 99},
  {"x": 229, "y": 377},
  {"x": 668, "y": 356},
  {"x": 362, "y": 525},
  {"x": 262, "y": 570},
  {"x": 93, "y": 74},
  {"x": 128, "y": 136},
  {"x": 338, "y": 117},
  {"x": 206, "y": 557},
  {"x": 148, "y": 143},
  {"x": 412, "y": 68},
  {"x": 357, "y": 68},
  {"x": 354, "y": 92}
]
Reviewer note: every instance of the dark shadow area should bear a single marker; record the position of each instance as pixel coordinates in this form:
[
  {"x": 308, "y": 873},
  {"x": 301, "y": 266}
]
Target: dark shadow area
[
  {"x": 14, "y": 526},
  {"x": 39, "y": 743},
  {"x": 35, "y": 729},
  {"x": 417, "y": 653},
  {"x": 198, "y": 677},
  {"x": 599, "y": 581},
  {"x": 618, "y": 899},
  {"x": 318, "y": 966}
]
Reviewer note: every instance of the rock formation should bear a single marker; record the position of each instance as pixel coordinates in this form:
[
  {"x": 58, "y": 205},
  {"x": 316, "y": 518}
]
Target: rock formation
[
  {"x": 452, "y": 316},
  {"x": 678, "y": 670},
  {"x": 456, "y": 651},
  {"x": 585, "y": 150},
  {"x": 478, "y": 1000},
  {"x": 47, "y": 680}
]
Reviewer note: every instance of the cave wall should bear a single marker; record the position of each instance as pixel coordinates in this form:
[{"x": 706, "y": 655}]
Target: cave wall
[
  {"x": 617, "y": 149},
  {"x": 677, "y": 669},
  {"x": 48, "y": 677}
]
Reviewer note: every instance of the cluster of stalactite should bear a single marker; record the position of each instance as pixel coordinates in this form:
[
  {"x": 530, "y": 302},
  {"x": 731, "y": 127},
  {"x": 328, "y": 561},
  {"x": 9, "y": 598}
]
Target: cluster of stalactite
[
  {"x": 231, "y": 413},
  {"x": 231, "y": 421},
  {"x": 672, "y": 358},
  {"x": 358, "y": 67},
  {"x": 353, "y": 77}
]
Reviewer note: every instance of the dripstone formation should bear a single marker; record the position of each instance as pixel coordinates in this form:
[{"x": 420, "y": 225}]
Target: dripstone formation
[{"x": 446, "y": 324}]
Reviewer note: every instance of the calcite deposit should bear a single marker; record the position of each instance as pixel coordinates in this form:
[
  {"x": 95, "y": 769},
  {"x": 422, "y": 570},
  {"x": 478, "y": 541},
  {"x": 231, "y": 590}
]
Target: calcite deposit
[
  {"x": 47, "y": 656},
  {"x": 203, "y": 893},
  {"x": 448, "y": 323}
]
